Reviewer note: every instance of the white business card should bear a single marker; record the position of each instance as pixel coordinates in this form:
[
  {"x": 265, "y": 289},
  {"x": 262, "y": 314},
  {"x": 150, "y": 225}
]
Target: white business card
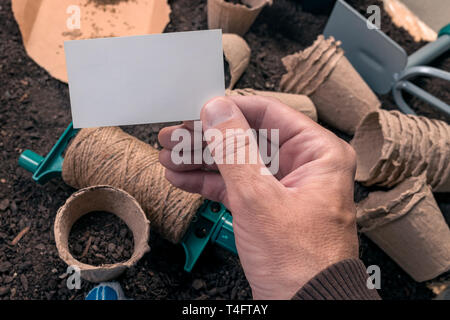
[{"x": 143, "y": 79}]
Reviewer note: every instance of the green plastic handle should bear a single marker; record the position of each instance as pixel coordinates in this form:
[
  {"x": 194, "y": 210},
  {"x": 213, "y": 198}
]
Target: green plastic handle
[
  {"x": 445, "y": 30},
  {"x": 212, "y": 223},
  {"x": 50, "y": 166},
  {"x": 30, "y": 160}
]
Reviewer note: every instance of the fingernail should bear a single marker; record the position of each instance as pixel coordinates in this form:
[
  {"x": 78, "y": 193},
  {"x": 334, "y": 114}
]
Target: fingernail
[{"x": 217, "y": 111}]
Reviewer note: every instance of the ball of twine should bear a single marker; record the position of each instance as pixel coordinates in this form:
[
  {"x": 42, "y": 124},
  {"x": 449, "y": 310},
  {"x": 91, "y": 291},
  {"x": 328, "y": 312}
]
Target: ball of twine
[{"x": 109, "y": 156}]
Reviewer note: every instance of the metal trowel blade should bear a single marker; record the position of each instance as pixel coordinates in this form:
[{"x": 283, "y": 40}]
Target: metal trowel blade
[{"x": 372, "y": 53}]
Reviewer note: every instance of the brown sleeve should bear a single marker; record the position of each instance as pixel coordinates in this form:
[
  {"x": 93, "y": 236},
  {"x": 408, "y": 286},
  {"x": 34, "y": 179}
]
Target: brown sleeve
[{"x": 345, "y": 280}]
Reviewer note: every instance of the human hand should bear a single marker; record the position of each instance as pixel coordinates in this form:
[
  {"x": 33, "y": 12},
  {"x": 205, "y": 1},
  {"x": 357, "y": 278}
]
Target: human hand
[{"x": 288, "y": 226}]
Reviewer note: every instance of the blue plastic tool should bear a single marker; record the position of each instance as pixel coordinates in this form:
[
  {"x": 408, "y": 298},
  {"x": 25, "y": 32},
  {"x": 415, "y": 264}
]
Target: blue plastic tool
[
  {"x": 212, "y": 222},
  {"x": 106, "y": 291}
]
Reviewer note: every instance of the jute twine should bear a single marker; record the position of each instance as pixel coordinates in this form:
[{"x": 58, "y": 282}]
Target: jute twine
[{"x": 109, "y": 156}]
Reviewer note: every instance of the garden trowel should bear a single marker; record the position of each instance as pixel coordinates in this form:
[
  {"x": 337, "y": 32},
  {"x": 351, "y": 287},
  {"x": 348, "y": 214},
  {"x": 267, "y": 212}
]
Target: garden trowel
[{"x": 381, "y": 62}]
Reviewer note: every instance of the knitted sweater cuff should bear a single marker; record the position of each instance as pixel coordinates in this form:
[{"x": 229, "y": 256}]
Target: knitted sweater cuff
[{"x": 345, "y": 280}]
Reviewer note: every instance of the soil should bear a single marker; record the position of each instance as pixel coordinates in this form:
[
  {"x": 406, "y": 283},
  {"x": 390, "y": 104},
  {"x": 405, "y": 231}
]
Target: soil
[
  {"x": 35, "y": 111},
  {"x": 101, "y": 238}
]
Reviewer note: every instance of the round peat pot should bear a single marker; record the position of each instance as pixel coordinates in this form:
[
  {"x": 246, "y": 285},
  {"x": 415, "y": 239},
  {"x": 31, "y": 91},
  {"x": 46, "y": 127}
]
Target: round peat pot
[{"x": 109, "y": 199}]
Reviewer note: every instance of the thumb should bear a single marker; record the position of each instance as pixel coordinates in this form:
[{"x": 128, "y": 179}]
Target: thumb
[{"x": 232, "y": 143}]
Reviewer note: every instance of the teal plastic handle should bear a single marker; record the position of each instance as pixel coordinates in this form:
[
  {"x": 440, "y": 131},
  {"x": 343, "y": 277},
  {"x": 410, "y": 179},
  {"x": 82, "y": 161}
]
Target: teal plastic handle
[
  {"x": 223, "y": 234},
  {"x": 30, "y": 160},
  {"x": 50, "y": 166},
  {"x": 445, "y": 30},
  {"x": 212, "y": 223}
]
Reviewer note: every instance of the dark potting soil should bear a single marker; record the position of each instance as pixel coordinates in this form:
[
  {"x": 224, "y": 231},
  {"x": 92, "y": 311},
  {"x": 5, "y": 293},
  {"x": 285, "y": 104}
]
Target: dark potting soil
[
  {"x": 35, "y": 111},
  {"x": 101, "y": 238},
  {"x": 226, "y": 73}
]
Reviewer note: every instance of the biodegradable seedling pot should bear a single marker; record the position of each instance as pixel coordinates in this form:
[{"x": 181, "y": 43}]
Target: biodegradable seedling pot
[
  {"x": 234, "y": 18},
  {"x": 407, "y": 224},
  {"x": 399, "y": 129},
  {"x": 442, "y": 177},
  {"x": 237, "y": 53},
  {"x": 298, "y": 102},
  {"x": 389, "y": 162},
  {"x": 323, "y": 73},
  {"x": 109, "y": 199},
  {"x": 391, "y": 147},
  {"x": 371, "y": 148}
]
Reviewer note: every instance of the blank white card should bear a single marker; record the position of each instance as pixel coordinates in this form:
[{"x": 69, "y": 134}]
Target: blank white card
[{"x": 143, "y": 79}]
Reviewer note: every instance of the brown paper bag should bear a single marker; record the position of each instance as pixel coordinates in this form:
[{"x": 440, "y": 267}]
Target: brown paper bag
[
  {"x": 341, "y": 96},
  {"x": 109, "y": 199},
  {"x": 407, "y": 224},
  {"x": 44, "y": 25},
  {"x": 234, "y": 18}
]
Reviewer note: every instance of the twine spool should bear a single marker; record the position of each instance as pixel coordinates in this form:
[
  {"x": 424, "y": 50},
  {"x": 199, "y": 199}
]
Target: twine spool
[{"x": 109, "y": 156}]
